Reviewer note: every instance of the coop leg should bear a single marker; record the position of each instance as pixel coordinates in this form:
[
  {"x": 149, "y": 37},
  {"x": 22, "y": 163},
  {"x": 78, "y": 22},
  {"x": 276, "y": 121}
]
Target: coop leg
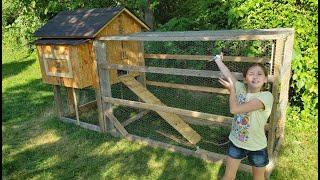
[
  {"x": 75, "y": 102},
  {"x": 70, "y": 101},
  {"x": 57, "y": 99}
]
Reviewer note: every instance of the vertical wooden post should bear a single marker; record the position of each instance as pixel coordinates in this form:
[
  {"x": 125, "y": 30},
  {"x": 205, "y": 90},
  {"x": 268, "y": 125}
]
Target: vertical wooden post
[
  {"x": 103, "y": 86},
  {"x": 70, "y": 101},
  {"x": 285, "y": 76},
  {"x": 75, "y": 102},
  {"x": 57, "y": 99},
  {"x": 282, "y": 90},
  {"x": 142, "y": 76},
  {"x": 275, "y": 115}
]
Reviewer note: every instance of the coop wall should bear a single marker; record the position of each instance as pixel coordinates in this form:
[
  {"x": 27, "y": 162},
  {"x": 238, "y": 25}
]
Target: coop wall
[
  {"x": 66, "y": 65},
  {"x": 125, "y": 52}
]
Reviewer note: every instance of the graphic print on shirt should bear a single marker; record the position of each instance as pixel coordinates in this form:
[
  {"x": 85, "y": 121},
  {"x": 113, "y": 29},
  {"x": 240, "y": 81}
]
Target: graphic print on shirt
[{"x": 240, "y": 123}]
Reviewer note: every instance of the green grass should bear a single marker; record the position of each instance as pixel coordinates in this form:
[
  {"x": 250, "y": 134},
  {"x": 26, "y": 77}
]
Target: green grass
[{"x": 36, "y": 145}]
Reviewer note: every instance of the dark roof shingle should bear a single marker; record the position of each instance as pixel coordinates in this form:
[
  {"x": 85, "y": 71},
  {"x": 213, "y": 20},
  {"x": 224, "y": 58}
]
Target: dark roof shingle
[
  {"x": 60, "y": 41},
  {"x": 81, "y": 23}
]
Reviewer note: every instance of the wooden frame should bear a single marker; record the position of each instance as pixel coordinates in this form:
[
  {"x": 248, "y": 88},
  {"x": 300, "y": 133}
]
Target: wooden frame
[
  {"x": 57, "y": 58},
  {"x": 280, "y": 79},
  {"x": 207, "y": 58}
]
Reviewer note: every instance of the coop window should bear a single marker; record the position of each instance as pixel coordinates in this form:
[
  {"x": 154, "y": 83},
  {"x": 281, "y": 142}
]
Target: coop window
[{"x": 56, "y": 61}]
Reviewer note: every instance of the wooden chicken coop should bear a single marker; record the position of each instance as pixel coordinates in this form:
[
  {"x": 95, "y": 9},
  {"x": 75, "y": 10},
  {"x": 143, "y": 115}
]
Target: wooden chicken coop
[
  {"x": 65, "y": 49},
  {"x": 167, "y": 96}
]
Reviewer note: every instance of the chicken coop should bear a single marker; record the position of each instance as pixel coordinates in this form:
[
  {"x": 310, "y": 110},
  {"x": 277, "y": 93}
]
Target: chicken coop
[
  {"x": 159, "y": 88},
  {"x": 67, "y": 60}
]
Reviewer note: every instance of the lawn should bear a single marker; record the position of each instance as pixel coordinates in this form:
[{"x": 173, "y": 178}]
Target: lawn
[{"x": 36, "y": 145}]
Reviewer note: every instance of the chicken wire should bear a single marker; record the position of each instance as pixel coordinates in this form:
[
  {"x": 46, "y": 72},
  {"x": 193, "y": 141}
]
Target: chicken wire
[
  {"x": 83, "y": 97},
  {"x": 153, "y": 126}
]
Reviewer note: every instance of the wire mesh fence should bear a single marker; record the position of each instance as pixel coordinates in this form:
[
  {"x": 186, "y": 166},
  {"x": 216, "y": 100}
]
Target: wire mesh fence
[{"x": 154, "y": 126}]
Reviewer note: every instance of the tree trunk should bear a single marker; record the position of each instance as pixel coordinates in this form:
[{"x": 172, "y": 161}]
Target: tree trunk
[{"x": 148, "y": 15}]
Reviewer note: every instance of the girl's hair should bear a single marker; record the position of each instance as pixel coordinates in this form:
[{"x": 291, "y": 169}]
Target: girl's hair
[
  {"x": 253, "y": 65},
  {"x": 264, "y": 69}
]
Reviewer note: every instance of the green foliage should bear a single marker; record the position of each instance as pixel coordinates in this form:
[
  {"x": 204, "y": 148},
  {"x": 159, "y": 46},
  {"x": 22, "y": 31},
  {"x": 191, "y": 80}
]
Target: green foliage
[{"x": 303, "y": 17}]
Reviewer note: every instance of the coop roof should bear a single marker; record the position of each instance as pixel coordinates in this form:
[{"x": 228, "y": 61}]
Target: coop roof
[
  {"x": 81, "y": 23},
  {"x": 60, "y": 41}
]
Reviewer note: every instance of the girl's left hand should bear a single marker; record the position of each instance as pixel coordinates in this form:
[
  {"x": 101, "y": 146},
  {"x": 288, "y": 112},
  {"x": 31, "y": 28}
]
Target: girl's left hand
[{"x": 227, "y": 83}]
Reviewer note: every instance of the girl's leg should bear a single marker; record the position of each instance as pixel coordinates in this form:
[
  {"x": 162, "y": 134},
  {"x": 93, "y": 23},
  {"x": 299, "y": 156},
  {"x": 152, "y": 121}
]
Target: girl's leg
[
  {"x": 231, "y": 168},
  {"x": 258, "y": 173}
]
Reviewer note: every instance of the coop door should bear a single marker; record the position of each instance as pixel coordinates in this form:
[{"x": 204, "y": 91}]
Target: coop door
[{"x": 56, "y": 61}]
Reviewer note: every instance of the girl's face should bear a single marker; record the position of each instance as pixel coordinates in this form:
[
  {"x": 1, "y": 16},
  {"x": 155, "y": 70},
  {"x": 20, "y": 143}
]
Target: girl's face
[{"x": 255, "y": 78}]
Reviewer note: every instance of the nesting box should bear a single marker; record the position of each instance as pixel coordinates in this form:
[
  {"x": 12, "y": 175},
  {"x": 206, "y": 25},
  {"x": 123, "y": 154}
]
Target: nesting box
[{"x": 65, "y": 44}]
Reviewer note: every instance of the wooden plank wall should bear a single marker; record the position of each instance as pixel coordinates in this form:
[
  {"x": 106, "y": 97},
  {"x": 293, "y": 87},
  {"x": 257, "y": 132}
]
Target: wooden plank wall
[
  {"x": 81, "y": 61},
  {"x": 122, "y": 52}
]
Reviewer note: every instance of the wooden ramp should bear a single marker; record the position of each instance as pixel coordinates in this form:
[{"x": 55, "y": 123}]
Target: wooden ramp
[{"x": 174, "y": 120}]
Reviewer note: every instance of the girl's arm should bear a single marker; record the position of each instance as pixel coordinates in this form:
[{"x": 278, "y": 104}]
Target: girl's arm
[
  {"x": 236, "y": 108},
  {"x": 223, "y": 68}
]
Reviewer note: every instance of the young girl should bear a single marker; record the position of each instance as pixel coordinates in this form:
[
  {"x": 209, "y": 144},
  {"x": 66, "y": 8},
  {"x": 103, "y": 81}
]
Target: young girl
[{"x": 251, "y": 107}]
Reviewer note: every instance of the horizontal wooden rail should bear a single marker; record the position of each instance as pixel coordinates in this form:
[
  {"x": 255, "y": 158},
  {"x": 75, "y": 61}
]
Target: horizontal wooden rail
[
  {"x": 200, "y": 116},
  {"x": 254, "y": 34},
  {"x": 174, "y": 71},
  {"x": 170, "y": 71},
  {"x": 189, "y": 87},
  {"x": 81, "y": 124},
  {"x": 207, "y": 58},
  {"x": 162, "y": 108}
]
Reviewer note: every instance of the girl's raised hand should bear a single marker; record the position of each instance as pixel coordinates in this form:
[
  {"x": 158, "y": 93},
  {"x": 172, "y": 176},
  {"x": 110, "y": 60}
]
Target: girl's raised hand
[{"x": 227, "y": 83}]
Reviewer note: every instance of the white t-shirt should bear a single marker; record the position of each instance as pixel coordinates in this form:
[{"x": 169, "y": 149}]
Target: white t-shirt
[{"x": 247, "y": 130}]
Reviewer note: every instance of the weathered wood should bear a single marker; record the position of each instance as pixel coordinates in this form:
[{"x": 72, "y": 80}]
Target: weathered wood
[
  {"x": 57, "y": 99},
  {"x": 84, "y": 107},
  {"x": 207, "y": 58},
  {"x": 88, "y": 106},
  {"x": 285, "y": 74},
  {"x": 81, "y": 124},
  {"x": 260, "y": 34},
  {"x": 175, "y": 71},
  {"x": 204, "y": 122},
  {"x": 189, "y": 87},
  {"x": 134, "y": 118},
  {"x": 75, "y": 105},
  {"x": 116, "y": 123},
  {"x": 175, "y": 121},
  {"x": 70, "y": 100},
  {"x": 155, "y": 107},
  {"x": 176, "y": 139},
  {"x": 103, "y": 83},
  {"x": 275, "y": 114}
]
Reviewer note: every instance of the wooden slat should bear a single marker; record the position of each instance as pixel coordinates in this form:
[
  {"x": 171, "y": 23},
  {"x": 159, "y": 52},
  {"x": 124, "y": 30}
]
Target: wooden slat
[
  {"x": 275, "y": 113},
  {"x": 81, "y": 124},
  {"x": 174, "y": 138},
  {"x": 117, "y": 124},
  {"x": 75, "y": 101},
  {"x": 175, "y": 71},
  {"x": 87, "y": 106},
  {"x": 156, "y": 107},
  {"x": 207, "y": 58},
  {"x": 257, "y": 34},
  {"x": 134, "y": 118},
  {"x": 175, "y": 121},
  {"x": 189, "y": 87}
]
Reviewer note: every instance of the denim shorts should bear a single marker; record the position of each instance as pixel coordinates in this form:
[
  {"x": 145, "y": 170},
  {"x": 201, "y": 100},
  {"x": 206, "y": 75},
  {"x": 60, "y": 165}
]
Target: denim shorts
[{"x": 256, "y": 158}]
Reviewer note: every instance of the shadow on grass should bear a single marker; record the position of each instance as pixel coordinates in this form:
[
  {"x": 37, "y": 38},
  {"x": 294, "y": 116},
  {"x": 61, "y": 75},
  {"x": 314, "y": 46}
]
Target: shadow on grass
[
  {"x": 23, "y": 102},
  {"x": 79, "y": 153},
  {"x": 15, "y": 67}
]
